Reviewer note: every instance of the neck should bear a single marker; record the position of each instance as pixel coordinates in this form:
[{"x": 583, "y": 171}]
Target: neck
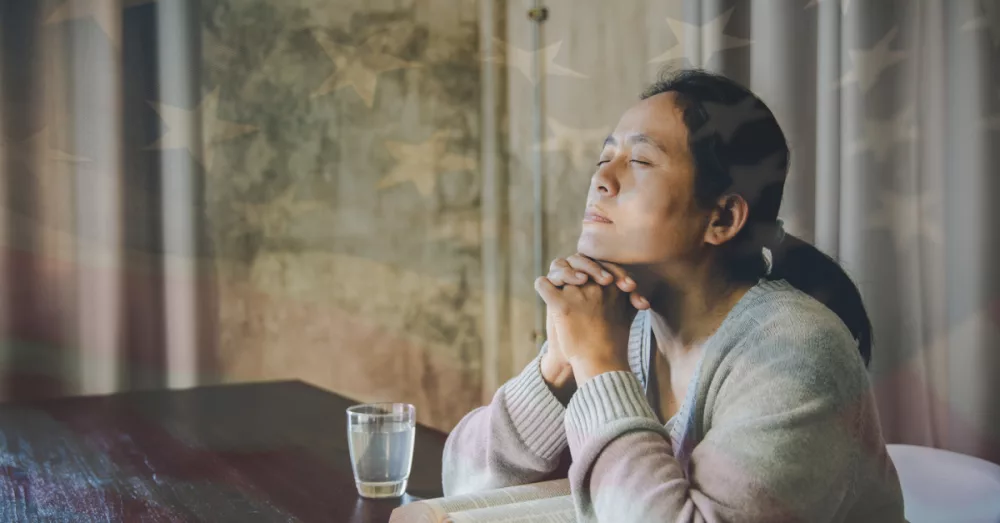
[{"x": 687, "y": 309}]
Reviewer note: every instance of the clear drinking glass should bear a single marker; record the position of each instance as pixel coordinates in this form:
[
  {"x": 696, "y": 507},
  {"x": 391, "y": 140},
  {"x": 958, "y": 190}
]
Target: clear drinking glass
[{"x": 380, "y": 436}]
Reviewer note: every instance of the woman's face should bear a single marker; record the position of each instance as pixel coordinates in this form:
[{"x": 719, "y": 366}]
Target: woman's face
[{"x": 641, "y": 207}]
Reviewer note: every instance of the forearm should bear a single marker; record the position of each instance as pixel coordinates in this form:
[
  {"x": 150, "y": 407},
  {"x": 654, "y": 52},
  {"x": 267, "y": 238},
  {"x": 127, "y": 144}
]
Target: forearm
[
  {"x": 516, "y": 439},
  {"x": 624, "y": 467}
]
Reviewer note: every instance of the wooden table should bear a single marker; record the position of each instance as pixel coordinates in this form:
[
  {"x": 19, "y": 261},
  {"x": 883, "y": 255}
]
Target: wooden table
[{"x": 257, "y": 452}]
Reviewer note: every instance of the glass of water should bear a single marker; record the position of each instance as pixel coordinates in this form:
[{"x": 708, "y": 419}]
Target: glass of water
[{"x": 380, "y": 436}]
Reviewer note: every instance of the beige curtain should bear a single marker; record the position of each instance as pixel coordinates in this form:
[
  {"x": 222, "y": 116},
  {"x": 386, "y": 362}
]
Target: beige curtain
[
  {"x": 100, "y": 285},
  {"x": 892, "y": 108}
]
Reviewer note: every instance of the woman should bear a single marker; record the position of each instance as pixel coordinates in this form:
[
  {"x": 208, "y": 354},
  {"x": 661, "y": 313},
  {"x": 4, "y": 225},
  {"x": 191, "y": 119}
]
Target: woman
[{"x": 701, "y": 365}]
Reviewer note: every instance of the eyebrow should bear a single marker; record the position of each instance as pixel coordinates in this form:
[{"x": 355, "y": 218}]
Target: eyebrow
[{"x": 633, "y": 139}]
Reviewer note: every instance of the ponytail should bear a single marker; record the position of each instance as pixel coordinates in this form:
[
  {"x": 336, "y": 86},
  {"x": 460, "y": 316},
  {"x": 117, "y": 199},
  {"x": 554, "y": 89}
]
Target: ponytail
[{"x": 815, "y": 273}]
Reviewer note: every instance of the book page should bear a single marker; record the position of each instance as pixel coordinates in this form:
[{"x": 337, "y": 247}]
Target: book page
[
  {"x": 434, "y": 510},
  {"x": 549, "y": 510}
]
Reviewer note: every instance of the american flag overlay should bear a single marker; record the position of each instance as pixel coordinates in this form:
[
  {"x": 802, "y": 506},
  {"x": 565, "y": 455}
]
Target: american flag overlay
[{"x": 341, "y": 191}]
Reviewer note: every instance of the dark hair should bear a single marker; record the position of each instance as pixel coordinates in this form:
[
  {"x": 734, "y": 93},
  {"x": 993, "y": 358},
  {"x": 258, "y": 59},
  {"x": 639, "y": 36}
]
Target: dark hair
[{"x": 738, "y": 147}]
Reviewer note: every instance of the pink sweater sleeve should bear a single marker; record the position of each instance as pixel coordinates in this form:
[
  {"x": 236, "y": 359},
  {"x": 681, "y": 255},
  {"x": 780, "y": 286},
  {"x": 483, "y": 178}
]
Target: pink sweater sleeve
[{"x": 517, "y": 439}]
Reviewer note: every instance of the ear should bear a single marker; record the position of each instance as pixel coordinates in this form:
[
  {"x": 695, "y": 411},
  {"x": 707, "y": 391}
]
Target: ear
[{"x": 727, "y": 219}]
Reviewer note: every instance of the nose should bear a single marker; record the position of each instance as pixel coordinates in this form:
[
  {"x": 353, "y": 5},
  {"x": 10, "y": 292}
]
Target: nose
[{"x": 605, "y": 180}]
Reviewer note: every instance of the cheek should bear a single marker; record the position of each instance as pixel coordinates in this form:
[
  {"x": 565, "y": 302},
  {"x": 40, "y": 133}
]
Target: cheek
[
  {"x": 653, "y": 212},
  {"x": 663, "y": 225}
]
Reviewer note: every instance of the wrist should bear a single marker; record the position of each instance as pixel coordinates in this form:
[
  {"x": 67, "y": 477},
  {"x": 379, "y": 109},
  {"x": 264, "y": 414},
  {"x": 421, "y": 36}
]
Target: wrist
[
  {"x": 587, "y": 367},
  {"x": 558, "y": 376},
  {"x": 556, "y": 373}
]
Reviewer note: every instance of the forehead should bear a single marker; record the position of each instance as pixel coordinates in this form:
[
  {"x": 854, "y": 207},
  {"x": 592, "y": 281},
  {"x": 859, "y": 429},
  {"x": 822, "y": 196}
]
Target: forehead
[{"x": 658, "y": 117}]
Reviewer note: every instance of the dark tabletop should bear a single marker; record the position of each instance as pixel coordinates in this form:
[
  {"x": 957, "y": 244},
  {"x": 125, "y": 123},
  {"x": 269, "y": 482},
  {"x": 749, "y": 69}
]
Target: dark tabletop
[{"x": 256, "y": 452}]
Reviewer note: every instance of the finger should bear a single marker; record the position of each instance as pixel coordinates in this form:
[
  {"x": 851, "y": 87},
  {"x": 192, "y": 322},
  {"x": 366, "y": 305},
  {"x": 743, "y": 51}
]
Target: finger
[
  {"x": 638, "y": 301},
  {"x": 590, "y": 267},
  {"x": 561, "y": 273},
  {"x": 622, "y": 279},
  {"x": 549, "y": 293}
]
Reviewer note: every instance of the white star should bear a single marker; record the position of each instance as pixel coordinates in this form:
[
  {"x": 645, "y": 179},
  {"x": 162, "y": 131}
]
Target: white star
[
  {"x": 522, "y": 60},
  {"x": 463, "y": 230},
  {"x": 35, "y": 157},
  {"x": 989, "y": 20},
  {"x": 879, "y": 136},
  {"x": 422, "y": 163},
  {"x": 727, "y": 119},
  {"x": 752, "y": 180},
  {"x": 34, "y": 154},
  {"x": 102, "y": 11},
  {"x": 907, "y": 218},
  {"x": 844, "y": 5},
  {"x": 272, "y": 218},
  {"x": 582, "y": 145},
  {"x": 182, "y": 130},
  {"x": 971, "y": 331},
  {"x": 710, "y": 35},
  {"x": 356, "y": 67},
  {"x": 869, "y": 64}
]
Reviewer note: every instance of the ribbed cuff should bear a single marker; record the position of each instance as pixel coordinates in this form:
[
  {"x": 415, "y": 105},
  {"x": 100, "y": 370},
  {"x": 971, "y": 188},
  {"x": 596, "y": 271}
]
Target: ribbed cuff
[
  {"x": 535, "y": 412},
  {"x": 604, "y": 399}
]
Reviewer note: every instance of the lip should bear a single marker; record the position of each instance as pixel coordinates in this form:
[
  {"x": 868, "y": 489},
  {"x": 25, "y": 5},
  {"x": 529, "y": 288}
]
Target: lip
[{"x": 595, "y": 216}]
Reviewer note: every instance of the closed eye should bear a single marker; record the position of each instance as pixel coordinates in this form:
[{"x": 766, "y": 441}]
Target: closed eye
[
  {"x": 640, "y": 162},
  {"x": 602, "y": 162}
]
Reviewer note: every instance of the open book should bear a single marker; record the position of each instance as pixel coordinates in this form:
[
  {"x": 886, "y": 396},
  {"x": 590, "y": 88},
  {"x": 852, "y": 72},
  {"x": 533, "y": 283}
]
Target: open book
[{"x": 546, "y": 502}]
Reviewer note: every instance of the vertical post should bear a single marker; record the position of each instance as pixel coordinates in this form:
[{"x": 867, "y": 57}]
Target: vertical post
[
  {"x": 495, "y": 250},
  {"x": 179, "y": 63},
  {"x": 538, "y": 15}
]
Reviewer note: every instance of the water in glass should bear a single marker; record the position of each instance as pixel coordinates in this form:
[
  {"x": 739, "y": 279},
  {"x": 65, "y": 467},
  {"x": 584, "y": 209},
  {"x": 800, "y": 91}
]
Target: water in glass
[{"x": 381, "y": 445}]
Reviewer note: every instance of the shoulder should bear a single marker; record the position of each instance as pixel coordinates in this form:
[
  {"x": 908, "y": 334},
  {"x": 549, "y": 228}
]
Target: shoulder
[{"x": 782, "y": 332}]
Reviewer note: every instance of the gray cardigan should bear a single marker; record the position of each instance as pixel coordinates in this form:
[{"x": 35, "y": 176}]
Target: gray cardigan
[{"x": 778, "y": 424}]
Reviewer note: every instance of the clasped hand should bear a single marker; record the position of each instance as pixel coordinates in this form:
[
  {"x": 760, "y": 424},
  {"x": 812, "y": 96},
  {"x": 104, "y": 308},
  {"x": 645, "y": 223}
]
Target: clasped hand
[{"x": 590, "y": 306}]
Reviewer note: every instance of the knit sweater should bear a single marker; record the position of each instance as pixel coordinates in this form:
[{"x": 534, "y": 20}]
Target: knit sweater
[{"x": 778, "y": 424}]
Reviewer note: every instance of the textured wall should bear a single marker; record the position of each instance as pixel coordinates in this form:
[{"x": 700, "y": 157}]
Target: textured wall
[{"x": 343, "y": 195}]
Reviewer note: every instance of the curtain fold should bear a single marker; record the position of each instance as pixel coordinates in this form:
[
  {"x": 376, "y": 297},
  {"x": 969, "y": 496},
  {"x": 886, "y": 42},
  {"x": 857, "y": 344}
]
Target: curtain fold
[{"x": 102, "y": 270}]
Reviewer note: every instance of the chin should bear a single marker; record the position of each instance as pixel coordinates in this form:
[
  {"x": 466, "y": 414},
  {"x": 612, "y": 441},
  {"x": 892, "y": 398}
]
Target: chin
[{"x": 592, "y": 246}]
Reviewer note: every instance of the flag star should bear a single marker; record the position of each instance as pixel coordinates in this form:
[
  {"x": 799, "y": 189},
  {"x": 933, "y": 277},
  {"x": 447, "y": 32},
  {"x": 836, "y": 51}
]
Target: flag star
[
  {"x": 463, "y": 230},
  {"x": 711, "y": 36},
  {"x": 727, "y": 119},
  {"x": 752, "y": 180},
  {"x": 523, "y": 60},
  {"x": 968, "y": 332},
  {"x": 908, "y": 217},
  {"x": 422, "y": 163},
  {"x": 879, "y": 136},
  {"x": 25, "y": 154},
  {"x": 989, "y": 20},
  {"x": 844, "y": 5},
  {"x": 182, "y": 131},
  {"x": 869, "y": 64},
  {"x": 356, "y": 67},
  {"x": 273, "y": 218},
  {"x": 103, "y": 14},
  {"x": 582, "y": 145}
]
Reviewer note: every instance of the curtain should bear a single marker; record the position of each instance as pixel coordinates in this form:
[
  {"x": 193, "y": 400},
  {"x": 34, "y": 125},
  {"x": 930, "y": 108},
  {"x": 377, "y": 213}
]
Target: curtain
[
  {"x": 892, "y": 111},
  {"x": 102, "y": 281}
]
